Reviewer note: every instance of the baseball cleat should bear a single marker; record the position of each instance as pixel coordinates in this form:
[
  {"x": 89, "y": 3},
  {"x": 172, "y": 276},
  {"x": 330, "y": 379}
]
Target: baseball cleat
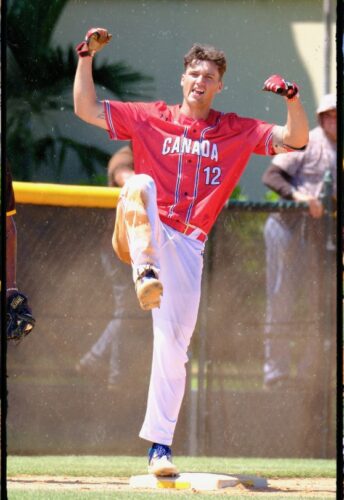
[
  {"x": 148, "y": 290},
  {"x": 160, "y": 461}
]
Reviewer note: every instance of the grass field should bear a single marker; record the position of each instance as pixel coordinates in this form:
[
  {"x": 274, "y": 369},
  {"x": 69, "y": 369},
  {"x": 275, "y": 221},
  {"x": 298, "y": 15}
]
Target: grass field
[{"x": 96, "y": 477}]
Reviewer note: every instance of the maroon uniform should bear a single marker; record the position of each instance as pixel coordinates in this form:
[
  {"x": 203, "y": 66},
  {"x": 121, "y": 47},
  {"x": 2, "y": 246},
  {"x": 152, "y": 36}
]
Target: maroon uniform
[{"x": 10, "y": 201}]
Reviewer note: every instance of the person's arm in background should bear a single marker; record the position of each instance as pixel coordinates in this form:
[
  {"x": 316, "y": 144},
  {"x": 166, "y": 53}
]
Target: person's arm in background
[
  {"x": 120, "y": 166},
  {"x": 280, "y": 182}
]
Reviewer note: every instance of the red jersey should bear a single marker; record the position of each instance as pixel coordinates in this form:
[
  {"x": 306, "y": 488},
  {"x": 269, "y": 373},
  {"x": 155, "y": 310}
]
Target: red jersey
[{"x": 195, "y": 164}]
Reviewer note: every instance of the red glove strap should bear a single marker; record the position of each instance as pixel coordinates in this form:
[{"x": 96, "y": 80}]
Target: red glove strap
[
  {"x": 292, "y": 91},
  {"x": 294, "y": 98},
  {"x": 82, "y": 50}
]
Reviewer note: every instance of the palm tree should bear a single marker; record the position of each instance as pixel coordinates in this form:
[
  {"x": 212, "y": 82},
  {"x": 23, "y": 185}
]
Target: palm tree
[{"x": 38, "y": 86}]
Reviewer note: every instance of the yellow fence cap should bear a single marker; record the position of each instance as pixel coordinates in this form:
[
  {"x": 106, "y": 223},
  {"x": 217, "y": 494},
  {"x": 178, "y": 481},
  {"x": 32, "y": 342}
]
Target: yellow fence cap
[{"x": 64, "y": 195}]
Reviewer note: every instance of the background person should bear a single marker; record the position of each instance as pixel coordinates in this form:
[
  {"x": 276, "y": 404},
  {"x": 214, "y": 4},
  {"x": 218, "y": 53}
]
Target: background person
[
  {"x": 20, "y": 321},
  {"x": 120, "y": 167},
  {"x": 293, "y": 250},
  {"x": 126, "y": 311}
]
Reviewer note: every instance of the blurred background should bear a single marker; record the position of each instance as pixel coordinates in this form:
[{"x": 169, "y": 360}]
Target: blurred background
[
  {"x": 48, "y": 143},
  {"x": 67, "y": 392}
]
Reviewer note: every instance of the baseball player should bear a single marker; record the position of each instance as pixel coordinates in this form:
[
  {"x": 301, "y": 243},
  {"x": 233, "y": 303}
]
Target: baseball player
[
  {"x": 20, "y": 321},
  {"x": 188, "y": 158},
  {"x": 298, "y": 177}
]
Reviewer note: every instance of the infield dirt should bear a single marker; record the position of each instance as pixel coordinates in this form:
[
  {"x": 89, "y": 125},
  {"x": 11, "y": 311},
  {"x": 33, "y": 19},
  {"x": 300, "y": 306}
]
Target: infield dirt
[{"x": 293, "y": 487}]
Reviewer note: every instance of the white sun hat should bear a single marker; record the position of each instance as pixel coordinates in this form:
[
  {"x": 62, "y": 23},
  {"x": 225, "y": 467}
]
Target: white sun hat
[{"x": 327, "y": 102}]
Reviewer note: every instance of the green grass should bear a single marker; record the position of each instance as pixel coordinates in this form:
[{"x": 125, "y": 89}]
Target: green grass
[
  {"x": 103, "y": 466},
  {"x": 100, "y": 466}
]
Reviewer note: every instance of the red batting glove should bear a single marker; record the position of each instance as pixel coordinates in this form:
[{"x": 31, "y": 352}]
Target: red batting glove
[{"x": 278, "y": 85}]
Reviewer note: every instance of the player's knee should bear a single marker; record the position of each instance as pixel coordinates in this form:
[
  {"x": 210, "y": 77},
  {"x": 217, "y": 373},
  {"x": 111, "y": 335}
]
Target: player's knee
[{"x": 142, "y": 184}]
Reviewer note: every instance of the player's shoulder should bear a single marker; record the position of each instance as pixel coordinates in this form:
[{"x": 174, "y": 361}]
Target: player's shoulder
[
  {"x": 234, "y": 117},
  {"x": 153, "y": 105},
  {"x": 239, "y": 122},
  {"x": 139, "y": 106},
  {"x": 158, "y": 109}
]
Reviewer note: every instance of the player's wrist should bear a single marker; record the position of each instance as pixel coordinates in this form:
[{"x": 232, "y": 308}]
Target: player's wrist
[
  {"x": 83, "y": 51},
  {"x": 295, "y": 98},
  {"x": 95, "y": 40}
]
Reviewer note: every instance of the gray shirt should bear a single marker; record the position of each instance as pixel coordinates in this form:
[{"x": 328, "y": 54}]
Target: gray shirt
[{"x": 307, "y": 168}]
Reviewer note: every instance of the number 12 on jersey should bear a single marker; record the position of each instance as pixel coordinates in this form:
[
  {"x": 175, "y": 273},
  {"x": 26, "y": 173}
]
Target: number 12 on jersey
[{"x": 212, "y": 175}]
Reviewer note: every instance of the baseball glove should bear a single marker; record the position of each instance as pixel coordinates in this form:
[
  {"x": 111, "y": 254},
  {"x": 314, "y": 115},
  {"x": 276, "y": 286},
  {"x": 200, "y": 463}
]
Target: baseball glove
[
  {"x": 95, "y": 40},
  {"x": 20, "y": 321},
  {"x": 278, "y": 85}
]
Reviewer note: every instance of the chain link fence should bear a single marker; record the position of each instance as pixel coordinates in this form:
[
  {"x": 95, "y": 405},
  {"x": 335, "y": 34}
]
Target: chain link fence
[
  {"x": 267, "y": 340},
  {"x": 78, "y": 384}
]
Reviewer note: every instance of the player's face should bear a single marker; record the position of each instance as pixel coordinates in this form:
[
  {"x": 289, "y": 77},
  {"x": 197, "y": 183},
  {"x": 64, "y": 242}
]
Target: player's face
[
  {"x": 328, "y": 121},
  {"x": 201, "y": 82}
]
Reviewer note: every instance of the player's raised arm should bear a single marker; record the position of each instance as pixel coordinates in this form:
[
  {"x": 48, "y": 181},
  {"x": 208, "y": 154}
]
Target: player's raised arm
[
  {"x": 86, "y": 105},
  {"x": 294, "y": 134}
]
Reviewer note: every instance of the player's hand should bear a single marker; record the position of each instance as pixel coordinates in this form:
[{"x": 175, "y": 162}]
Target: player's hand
[
  {"x": 95, "y": 40},
  {"x": 316, "y": 208},
  {"x": 278, "y": 85}
]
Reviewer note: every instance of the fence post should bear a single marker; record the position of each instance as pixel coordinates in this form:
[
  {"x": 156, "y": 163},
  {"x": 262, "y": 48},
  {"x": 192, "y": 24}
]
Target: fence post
[
  {"x": 327, "y": 323},
  {"x": 203, "y": 382}
]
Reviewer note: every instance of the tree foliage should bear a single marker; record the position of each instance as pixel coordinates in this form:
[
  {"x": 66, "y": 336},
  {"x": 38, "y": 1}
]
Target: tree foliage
[{"x": 39, "y": 81}]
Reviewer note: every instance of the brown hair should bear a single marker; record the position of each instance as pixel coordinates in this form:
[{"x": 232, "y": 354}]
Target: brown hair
[{"x": 200, "y": 52}]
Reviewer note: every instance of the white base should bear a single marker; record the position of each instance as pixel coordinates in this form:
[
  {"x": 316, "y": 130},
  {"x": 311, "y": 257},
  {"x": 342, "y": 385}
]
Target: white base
[{"x": 195, "y": 480}]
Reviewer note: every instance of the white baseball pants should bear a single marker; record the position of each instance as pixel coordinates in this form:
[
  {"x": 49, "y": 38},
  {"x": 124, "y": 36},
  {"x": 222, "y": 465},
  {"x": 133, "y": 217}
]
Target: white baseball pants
[{"x": 178, "y": 260}]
